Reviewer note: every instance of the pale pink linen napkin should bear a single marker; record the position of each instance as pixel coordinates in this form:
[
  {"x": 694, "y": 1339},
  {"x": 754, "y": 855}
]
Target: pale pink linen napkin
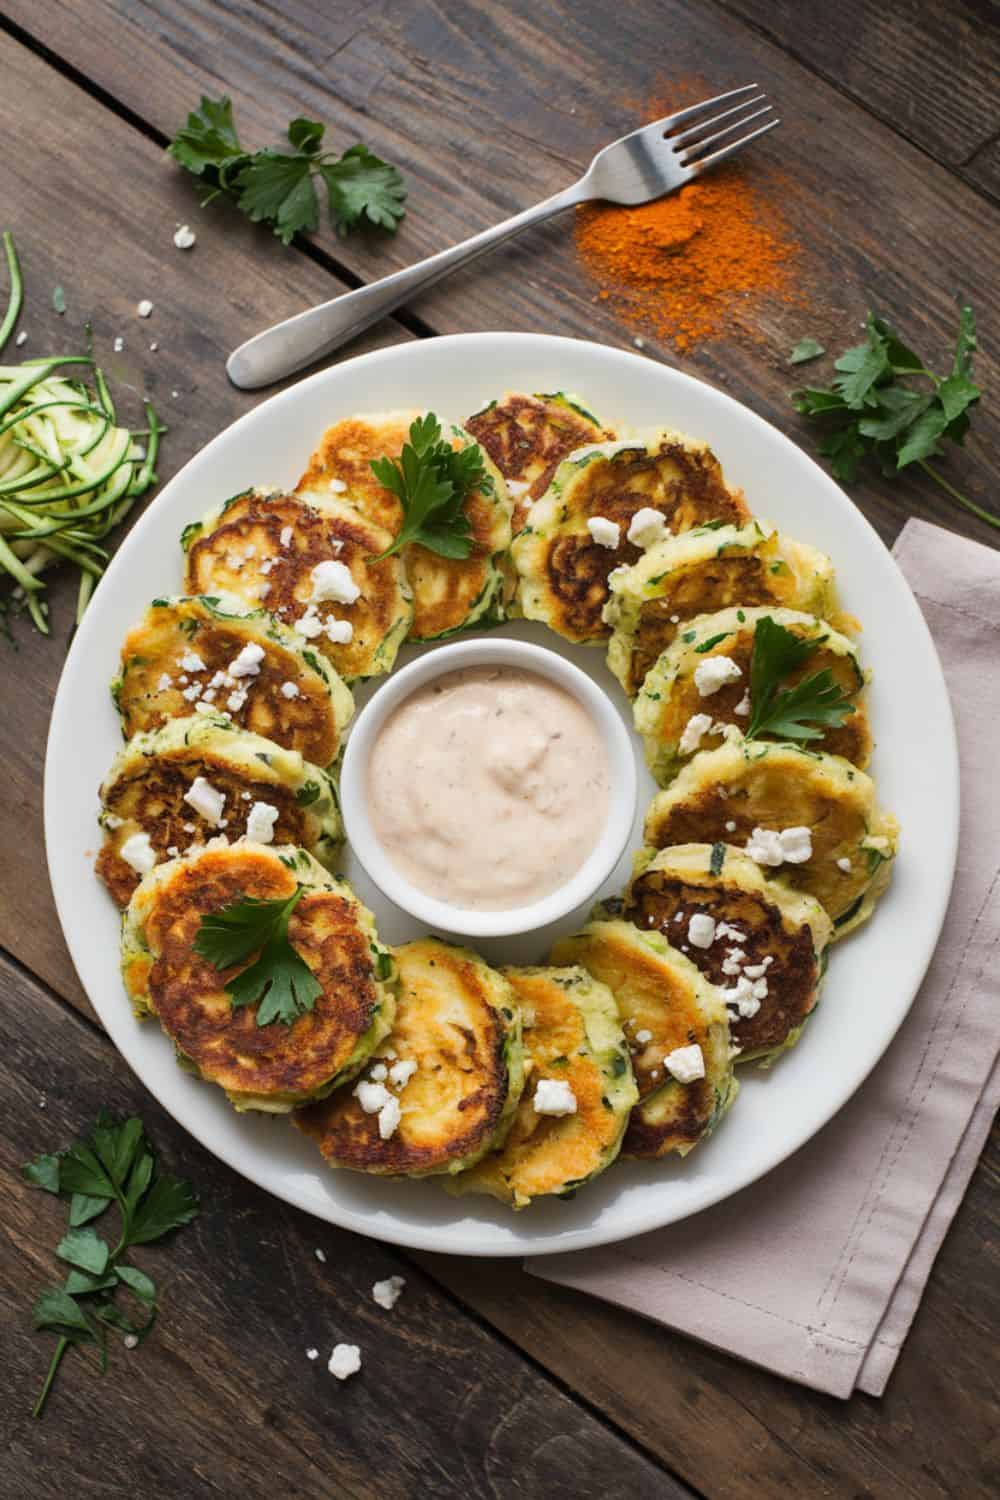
[{"x": 816, "y": 1271}]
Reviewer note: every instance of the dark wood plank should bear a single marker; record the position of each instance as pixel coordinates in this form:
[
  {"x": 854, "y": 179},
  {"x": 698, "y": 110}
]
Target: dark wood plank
[
  {"x": 98, "y": 217},
  {"x": 928, "y": 70},
  {"x": 222, "y": 1400},
  {"x": 489, "y": 108},
  {"x": 742, "y": 1433}
]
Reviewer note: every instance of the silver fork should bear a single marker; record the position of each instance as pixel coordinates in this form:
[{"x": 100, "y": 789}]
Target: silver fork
[{"x": 648, "y": 163}]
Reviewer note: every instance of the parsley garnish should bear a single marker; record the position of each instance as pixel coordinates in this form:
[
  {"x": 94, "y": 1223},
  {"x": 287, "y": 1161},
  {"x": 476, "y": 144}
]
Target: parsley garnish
[
  {"x": 279, "y": 187},
  {"x": 114, "y": 1164},
  {"x": 805, "y": 350},
  {"x": 885, "y": 406},
  {"x": 279, "y": 982},
  {"x": 432, "y": 481},
  {"x": 790, "y": 713}
]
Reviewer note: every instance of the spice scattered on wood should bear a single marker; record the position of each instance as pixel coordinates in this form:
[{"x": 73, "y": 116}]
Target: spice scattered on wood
[{"x": 697, "y": 263}]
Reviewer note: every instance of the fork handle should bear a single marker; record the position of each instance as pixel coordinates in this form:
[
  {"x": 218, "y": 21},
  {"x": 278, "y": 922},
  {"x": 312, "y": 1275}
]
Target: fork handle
[{"x": 298, "y": 341}]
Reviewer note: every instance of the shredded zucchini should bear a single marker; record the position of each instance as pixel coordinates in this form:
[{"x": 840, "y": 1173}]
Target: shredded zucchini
[{"x": 68, "y": 473}]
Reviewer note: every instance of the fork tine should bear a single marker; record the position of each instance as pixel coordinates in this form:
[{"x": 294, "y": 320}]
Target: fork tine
[
  {"x": 689, "y": 156},
  {"x": 677, "y": 141},
  {"x": 717, "y": 156},
  {"x": 682, "y": 116}
]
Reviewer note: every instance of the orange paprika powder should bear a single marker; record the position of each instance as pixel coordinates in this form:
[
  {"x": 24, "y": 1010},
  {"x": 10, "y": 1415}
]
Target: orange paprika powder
[{"x": 695, "y": 264}]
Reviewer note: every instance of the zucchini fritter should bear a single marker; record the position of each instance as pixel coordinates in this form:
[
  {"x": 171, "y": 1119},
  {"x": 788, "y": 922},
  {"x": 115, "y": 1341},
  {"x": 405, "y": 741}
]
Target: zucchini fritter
[
  {"x": 527, "y": 437},
  {"x": 264, "y": 548},
  {"x": 669, "y": 698},
  {"x": 458, "y": 1021},
  {"x": 277, "y": 1066},
  {"x": 572, "y": 1034},
  {"x": 564, "y": 569},
  {"x": 723, "y": 795},
  {"x": 449, "y": 594},
  {"x": 184, "y": 648},
  {"x": 707, "y": 570},
  {"x": 760, "y": 942},
  {"x": 144, "y": 796},
  {"x": 665, "y": 1006}
]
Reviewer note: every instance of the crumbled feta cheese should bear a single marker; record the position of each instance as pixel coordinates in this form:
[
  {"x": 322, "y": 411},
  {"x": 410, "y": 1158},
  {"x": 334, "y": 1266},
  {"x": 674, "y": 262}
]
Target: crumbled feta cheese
[
  {"x": 713, "y": 673},
  {"x": 516, "y": 488},
  {"x": 268, "y": 564},
  {"x": 312, "y": 1354},
  {"x": 743, "y": 707},
  {"x": 701, "y": 930},
  {"x": 401, "y": 1072},
  {"x": 138, "y": 852},
  {"x": 734, "y": 960},
  {"x": 166, "y": 681},
  {"x": 345, "y": 1360},
  {"x": 604, "y": 532},
  {"x": 236, "y": 700},
  {"x": 694, "y": 731},
  {"x": 796, "y": 845},
  {"x": 339, "y": 632},
  {"x": 332, "y": 580},
  {"x": 153, "y": 347},
  {"x": 644, "y": 1036},
  {"x": 21, "y": 339},
  {"x": 371, "y": 1096},
  {"x": 131, "y": 1341},
  {"x": 247, "y": 664},
  {"x": 686, "y": 1064},
  {"x": 379, "y": 1072},
  {"x": 289, "y": 690},
  {"x": 337, "y": 485},
  {"x": 118, "y": 344},
  {"x": 285, "y": 536},
  {"x": 173, "y": 851},
  {"x": 387, "y": 1293},
  {"x": 260, "y": 823},
  {"x": 675, "y": 619},
  {"x": 206, "y": 800},
  {"x": 144, "y": 308},
  {"x": 764, "y": 846},
  {"x": 725, "y": 930},
  {"x": 184, "y": 237},
  {"x": 309, "y": 624},
  {"x": 845, "y": 865},
  {"x": 192, "y": 662},
  {"x": 730, "y": 826},
  {"x": 648, "y": 527},
  {"x": 553, "y": 1096},
  {"x": 742, "y": 995},
  {"x": 111, "y": 820},
  {"x": 389, "y": 1117}
]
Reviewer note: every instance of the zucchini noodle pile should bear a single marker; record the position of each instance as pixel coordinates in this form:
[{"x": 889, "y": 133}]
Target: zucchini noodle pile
[{"x": 68, "y": 473}]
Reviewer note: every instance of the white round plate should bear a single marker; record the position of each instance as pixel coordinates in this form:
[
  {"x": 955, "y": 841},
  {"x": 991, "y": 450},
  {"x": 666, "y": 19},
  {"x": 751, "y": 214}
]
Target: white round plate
[{"x": 873, "y": 976}]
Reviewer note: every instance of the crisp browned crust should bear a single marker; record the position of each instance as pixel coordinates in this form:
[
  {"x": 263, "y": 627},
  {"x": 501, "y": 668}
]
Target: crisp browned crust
[
  {"x": 155, "y": 801},
  {"x": 187, "y": 993},
  {"x": 527, "y": 437},
  {"x": 305, "y": 723},
  {"x": 453, "y": 1103},
  {"x": 345, "y": 454},
  {"x": 317, "y": 536},
  {"x": 656, "y": 900},
  {"x": 698, "y": 590},
  {"x": 684, "y": 484}
]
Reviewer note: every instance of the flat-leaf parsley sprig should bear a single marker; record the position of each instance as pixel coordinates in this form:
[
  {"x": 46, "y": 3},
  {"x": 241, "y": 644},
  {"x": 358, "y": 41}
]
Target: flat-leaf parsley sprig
[
  {"x": 279, "y": 187},
  {"x": 801, "y": 712},
  {"x": 432, "y": 481},
  {"x": 281, "y": 981},
  {"x": 884, "y": 405},
  {"x": 114, "y": 1165}
]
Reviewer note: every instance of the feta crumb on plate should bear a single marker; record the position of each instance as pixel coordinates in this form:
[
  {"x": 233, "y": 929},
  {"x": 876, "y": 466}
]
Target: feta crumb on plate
[
  {"x": 604, "y": 532},
  {"x": 686, "y": 1064},
  {"x": 553, "y": 1096},
  {"x": 331, "y": 580}
]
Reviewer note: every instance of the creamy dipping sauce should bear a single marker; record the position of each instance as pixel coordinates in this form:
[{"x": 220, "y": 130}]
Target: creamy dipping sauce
[{"x": 488, "y": 788}]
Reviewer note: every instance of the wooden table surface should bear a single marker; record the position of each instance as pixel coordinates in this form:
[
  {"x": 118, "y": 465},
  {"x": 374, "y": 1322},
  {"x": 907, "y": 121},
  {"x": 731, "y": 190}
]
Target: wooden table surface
[{"x": 483, "y": 1382}]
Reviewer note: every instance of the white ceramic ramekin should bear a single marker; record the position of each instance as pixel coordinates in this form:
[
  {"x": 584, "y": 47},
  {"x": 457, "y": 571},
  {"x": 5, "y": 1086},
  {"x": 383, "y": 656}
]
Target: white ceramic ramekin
[{"x": 440, "y": 915}]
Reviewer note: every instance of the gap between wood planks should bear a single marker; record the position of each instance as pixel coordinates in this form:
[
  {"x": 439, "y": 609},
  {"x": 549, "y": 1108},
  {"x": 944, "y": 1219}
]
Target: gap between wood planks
[
  {"x": 314, "y": 252},
  {"x": 418, "y": 1268}
]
